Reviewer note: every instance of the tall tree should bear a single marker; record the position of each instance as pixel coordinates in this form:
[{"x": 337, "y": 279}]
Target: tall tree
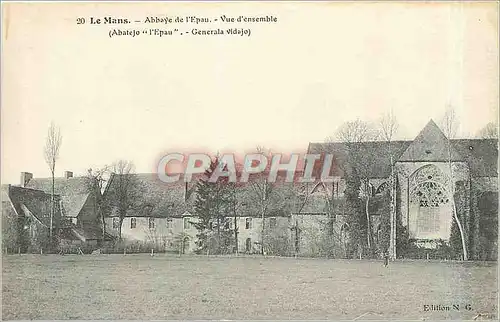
[
  {"x": 236, "y": 204},
  {"x": 95, "y": 182},
  {"x": 354, "y": 134},
  {"x": 262, "y": 193},
  {"x": 51, "y": 153},
  {"x": 214, "y": 200},
  {"x": 450, "y": 126},
  {"x": 126, "y": 191},
  {"x": 388, "y": 129}
]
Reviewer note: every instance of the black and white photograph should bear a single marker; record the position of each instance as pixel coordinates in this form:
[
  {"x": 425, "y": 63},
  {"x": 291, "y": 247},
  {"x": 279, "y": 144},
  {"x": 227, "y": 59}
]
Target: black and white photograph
[{"x": 250, "y": 160}]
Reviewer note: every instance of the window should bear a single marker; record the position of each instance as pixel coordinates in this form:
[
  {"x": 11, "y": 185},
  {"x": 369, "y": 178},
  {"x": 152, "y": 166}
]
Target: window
[
  {"x": 383, "y": 187},
  {"x": 248, "y": 245},
  {"x": 187, "y": 224},
  {"x": 248, "y": 223},
  {"x": 272, "y": 222},
  {"x": 169, "y": 223},
  {"x": 151, "y": 223},
  {"x": 116, "y": 222},
  {"x": 133, "y": 223}
]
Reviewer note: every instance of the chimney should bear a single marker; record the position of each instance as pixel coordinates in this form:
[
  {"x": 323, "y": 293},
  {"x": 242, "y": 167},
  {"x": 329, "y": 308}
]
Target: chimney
[
  {"x": 25, "y": 178},
  {"x": 68, "y": 174}
]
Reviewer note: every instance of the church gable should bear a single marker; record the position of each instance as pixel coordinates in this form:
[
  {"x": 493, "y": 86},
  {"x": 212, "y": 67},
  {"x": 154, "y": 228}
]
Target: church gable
[{"x": 430, "y": 145}]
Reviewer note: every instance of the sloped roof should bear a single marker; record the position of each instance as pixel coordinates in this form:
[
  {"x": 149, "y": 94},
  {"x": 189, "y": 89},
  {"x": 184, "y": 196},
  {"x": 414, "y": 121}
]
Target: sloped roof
[
  {"x": 162, "y": 199},
  {"x": 28, "y": 213},
  {"x": 35, "y": 203},
  {"x": 73, "y": 204},
  {"x": 63, "y": 186},
  {"x": 430, "y": 145},
  {"x": 74, "y": 192}
]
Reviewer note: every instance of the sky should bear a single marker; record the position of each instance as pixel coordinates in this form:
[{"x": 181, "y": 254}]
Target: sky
[{"x": 290, "y": 83}]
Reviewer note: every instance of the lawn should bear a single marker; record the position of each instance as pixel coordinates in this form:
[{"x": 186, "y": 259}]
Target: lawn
[{"x": 189, "y": 287}]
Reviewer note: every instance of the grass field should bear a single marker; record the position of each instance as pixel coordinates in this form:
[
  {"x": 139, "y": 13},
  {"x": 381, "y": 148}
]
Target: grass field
[{"x": 171, "y": 287}]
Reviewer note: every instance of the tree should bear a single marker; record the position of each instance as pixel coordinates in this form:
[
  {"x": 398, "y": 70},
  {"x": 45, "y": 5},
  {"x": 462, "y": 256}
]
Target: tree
[
  {"x": 125, "y": 194},
  {"x": 95, "y": 182},
  {"x": 388, "y": 129},
  {"x": 262, "y": 193},
  {"x": 213, "y": 201},
  {"x": 450, "y": 126},
  {"x": 236, "y": 203},
  {"x": 489, "y": 131},
  {"x": 51, "y": 152},
  {"x": 353, "y": 208},
  {"x": 301, "y": 196},
  {"x": 354, "y": 134}
]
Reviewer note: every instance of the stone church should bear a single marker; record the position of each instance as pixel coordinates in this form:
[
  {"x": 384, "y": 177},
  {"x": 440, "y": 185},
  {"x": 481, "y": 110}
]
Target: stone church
[{"x": 429, "y": 171}]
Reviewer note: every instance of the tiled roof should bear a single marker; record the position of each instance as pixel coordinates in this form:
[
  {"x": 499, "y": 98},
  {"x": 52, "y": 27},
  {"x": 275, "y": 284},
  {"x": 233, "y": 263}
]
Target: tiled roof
[
  {"x": 430, "y": 145},
  {"x": 38, "y": 204},
  {"x": 73, "y": 191},
  {"x": 73, "y": 204},
  {"x": 163, "y": 199},
  {"x": 63, "y": 186}
]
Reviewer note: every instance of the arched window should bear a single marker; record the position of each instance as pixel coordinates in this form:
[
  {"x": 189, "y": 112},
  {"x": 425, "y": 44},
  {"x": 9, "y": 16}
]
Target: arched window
[
  {"x": 428, "y": 173},
  {"x": 430, "y": 194},
  {"x": 429, "y": 203},
  {"x": 382, "y": 188}
]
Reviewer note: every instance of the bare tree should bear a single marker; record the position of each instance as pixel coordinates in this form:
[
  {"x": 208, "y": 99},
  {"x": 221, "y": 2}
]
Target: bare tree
[
  {"x": 237, "y": 204},
  {"x": 388, "y": 129},
  {"x": 95, "y": 182},
  {"x": 51, "y": 153},
  {"x": 450, "y": 126},
  {"x": 354, "y": 134},
  {"x": 356, "y": 131},
  {"x": 489, "y": 131},
  {"x": 263, "y": 194},
  {"x": 125, "y": 193},
  {"x": 301, "y": 195}
]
